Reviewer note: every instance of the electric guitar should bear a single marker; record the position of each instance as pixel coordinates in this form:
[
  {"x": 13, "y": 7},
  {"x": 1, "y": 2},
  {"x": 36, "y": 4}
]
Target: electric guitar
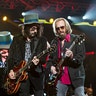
[
  {"x": 53, "y": 78},
  {"x": 13, "y": 85}
]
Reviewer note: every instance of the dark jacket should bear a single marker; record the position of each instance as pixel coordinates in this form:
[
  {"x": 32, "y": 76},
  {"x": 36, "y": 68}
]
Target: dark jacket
[
  {"x": 17, "y": 51},
  {"x": 75, "y": 65}
]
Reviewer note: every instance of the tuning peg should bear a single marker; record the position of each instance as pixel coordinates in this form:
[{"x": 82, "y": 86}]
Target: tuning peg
[
  {"x": 84, "y": 39},
  {"x": 81, "y": 41}
]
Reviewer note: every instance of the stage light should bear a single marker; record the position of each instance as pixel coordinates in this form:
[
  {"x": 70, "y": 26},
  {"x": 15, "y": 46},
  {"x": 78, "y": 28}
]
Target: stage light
[
  {"x": 23, "y": 13},
  {"x": 94, "y": 23},
  {"x": 51, "y": 20},
  {"x": 4, "y": 18},
  {"x": 90, "y": 53},
  {"x": 84, "y": 17},
  {"x": 69, "y": 17}
]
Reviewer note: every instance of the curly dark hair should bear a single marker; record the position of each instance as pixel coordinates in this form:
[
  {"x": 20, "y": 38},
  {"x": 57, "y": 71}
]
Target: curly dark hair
[{"x": 25, "y": 30}]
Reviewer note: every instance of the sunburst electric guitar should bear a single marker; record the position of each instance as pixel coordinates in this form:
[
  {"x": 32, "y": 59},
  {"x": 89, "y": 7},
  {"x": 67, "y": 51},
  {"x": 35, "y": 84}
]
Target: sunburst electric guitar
[{"x": 12, "y": 85}]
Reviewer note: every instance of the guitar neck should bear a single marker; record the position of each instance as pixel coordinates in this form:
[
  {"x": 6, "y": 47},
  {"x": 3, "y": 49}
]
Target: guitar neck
[
  {"x": 30, "y": 63},
  {"x": 70, "y": 48},
  {"x": 72, "y": 45}
]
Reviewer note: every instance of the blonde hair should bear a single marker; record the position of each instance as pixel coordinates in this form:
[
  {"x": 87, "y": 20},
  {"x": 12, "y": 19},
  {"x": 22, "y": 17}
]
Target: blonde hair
[{"x": 67, "y": 25}]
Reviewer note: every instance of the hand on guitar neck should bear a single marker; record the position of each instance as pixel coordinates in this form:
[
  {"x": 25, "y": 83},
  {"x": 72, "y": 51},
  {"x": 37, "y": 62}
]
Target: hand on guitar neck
[
  {"x": 35, "y": 60},
  {"x": 69, "y": 54}
]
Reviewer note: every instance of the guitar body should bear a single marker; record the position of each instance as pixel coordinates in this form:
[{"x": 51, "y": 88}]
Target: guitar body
[
  {"x": 56, "y": 77},
  {"x": 59, "y": 74},
  {"x": 12, "y": 85}
]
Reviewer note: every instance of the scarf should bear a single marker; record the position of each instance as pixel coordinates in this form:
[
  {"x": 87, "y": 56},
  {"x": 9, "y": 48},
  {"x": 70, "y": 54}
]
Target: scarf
[{"x": 65, "y": 79}]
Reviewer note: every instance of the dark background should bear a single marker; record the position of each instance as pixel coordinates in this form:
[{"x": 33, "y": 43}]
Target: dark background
[
  {"x": 47, "y": 9},
  {"x": 54, "y": 8}
]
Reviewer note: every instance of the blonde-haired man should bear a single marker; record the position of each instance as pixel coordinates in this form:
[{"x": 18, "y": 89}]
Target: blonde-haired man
[{"x": 72, "y": 71}]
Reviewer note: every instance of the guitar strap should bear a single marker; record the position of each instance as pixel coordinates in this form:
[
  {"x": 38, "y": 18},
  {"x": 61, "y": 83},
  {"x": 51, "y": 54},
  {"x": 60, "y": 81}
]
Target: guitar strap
[{"x": 36, "y": 40}]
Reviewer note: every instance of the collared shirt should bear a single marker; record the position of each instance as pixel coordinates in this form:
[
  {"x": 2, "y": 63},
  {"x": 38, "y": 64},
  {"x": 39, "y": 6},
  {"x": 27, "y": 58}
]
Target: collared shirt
[
  {"x": 65, "y": 78},
  {"x": 27, "y": 51}
]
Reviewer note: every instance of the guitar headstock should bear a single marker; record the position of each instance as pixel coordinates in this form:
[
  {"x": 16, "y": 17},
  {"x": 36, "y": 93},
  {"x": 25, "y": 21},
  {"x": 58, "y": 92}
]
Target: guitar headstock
[
  {"x": 51, "y": 48},
  {"x": 80, "y": 38}
]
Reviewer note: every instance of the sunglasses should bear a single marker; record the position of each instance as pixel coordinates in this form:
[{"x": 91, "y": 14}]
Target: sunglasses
[{"x": 61, "y": 27}]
